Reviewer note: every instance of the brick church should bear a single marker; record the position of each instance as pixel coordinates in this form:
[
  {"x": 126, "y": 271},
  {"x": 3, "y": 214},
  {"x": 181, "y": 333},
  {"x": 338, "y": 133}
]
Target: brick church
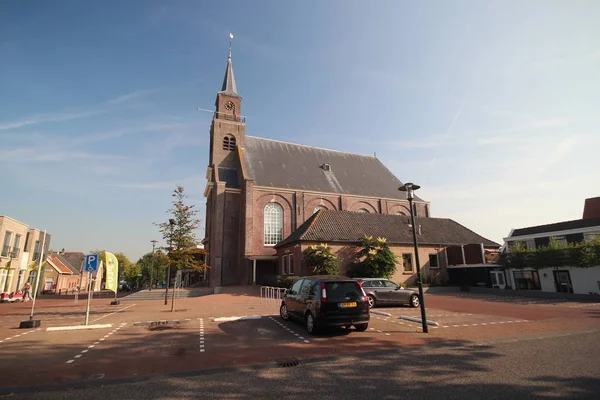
[{"x": 259, "y": 191}]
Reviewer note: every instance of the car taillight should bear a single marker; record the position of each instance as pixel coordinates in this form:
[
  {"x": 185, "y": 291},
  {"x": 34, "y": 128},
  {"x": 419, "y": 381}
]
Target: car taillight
[
  {"x": 323, "y": 293},
  {"x": 363, "y": 291}
]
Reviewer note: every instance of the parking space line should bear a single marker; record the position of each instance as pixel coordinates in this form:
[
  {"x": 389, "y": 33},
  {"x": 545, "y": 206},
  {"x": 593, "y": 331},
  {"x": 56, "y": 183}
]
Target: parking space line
[
  {"x": 201, "y": 340},
  {"x": 70, "y": 361},
  {"x": 289, "y": 330},
  {"x": 20, "y": 334}
]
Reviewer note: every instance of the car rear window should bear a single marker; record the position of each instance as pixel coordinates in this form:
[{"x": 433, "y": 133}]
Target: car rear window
[{"x": 338, "y": 291}]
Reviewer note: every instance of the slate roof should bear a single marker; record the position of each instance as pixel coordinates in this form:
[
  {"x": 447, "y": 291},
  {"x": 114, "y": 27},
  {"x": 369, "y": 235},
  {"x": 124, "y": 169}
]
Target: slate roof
[
  {"x": 348, "y": 226},
  {"x": 273, "y": 163},
  {"x": 229, "y": 176},
  {"x": 229, "y": 85},
  {"x": 558, "y": 226}
]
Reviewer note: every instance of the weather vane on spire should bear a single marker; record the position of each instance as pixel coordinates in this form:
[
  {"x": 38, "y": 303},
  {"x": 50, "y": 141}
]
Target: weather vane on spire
[{"x": 230, "y": 40}]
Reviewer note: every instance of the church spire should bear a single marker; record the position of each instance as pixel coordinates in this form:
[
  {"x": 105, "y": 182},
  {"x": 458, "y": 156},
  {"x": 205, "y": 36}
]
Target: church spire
[{"x": 229, "y": 80}]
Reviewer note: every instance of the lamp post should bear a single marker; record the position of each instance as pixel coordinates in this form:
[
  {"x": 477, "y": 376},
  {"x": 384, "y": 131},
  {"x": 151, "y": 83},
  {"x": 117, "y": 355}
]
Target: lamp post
[
  {"x": 152, "y": 264},
  {"x": 171, "y": 224},
  {"x": 410, "y": 188}
]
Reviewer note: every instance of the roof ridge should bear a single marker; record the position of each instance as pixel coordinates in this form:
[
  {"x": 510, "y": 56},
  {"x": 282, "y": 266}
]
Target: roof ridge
[
  {"x": 313, "y": 147},
  {"x": 558, "y": 223}
]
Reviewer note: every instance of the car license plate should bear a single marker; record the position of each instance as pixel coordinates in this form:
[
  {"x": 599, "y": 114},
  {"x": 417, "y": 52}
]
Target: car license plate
[{"x": 348, "y": 305}]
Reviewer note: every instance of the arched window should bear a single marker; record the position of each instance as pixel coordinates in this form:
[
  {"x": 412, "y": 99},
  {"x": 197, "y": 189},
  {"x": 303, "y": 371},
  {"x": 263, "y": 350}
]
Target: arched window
[
  {"x": 318, "y": 208},
  {"x": 273, "y": 214},
  {"x": 229, "y": 142},
  {"x": 400, "y": 213},
  {"x": 363, "y": 210}
]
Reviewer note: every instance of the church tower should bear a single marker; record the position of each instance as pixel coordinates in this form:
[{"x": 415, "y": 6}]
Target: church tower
[
  {"x": 223, "y": 190},
  {"x": 228, "y": 128}
]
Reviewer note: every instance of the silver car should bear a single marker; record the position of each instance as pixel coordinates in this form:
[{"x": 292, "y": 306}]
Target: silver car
[{"x": 383, "y": 291}]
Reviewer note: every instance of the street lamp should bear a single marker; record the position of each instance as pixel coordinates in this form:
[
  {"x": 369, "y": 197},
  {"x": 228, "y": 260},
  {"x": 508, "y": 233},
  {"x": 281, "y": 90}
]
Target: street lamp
[
  {"x": 171, "y": 224},
  {"x": 152, "y": 264},
  {"x": 410, "y": 188}
]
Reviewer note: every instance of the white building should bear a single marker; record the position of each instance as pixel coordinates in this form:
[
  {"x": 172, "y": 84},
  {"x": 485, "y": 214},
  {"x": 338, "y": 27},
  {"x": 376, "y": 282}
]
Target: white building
[{"x": 564, "y": 279}]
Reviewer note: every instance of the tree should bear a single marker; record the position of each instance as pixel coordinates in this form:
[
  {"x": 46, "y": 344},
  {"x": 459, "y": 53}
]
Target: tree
[
  {"x": 375, "y": 259},
  {"x": 320, "y": 259},
  {"x": 152, "y": 267},
  {"x": 131, "y": 274},
  {"x": 181, "y": 235}
]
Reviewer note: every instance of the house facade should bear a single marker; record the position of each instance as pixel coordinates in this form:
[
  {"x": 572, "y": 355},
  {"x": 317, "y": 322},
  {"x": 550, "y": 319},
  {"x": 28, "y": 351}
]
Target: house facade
[
  {"x": 564, "y": 279},
  {"x": 343, "y": 230},
  {"x": 21, "y": 249},
  {"x": 259, "y": 191}
]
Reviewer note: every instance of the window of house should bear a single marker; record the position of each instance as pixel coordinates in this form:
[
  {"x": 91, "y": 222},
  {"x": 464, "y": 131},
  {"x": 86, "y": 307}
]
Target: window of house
[
  {"x": 363, "y": 210},
  {"x": 407, "y": 262},
  {"x": 36, "y": 250},
  {"x": 291, "y": 263},
  {"x": 229, "y": 143},
  {"x": 319, "y": 208},
  {"x": 400, "y": 213},
  {"x": 16, "y": 245},
  {"x": 273, "y": 224},
  {"x": 284, "y": 265},
  {"x": 433, "y": 261},
  {"x": 527, "y": 280},
  {"x": 6, "y": 246}
]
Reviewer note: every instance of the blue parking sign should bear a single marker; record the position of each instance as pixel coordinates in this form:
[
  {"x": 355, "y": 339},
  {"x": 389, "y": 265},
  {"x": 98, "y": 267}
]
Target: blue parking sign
[{"x": 91, "y": 262}]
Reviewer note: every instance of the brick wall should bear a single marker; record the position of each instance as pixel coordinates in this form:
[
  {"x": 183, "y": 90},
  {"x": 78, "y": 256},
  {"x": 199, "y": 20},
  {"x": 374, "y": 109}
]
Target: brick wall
[{"x": 345, "y": 254}]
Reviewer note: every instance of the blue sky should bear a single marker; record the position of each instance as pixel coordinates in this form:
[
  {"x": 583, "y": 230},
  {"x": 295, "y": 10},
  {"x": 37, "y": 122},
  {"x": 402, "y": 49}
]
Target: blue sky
[{"x": 492, "y": 107}]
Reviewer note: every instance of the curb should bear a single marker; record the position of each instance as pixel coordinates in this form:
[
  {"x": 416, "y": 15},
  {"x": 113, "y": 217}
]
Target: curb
[
  {"x": 230, "y": 319},
  {"x": 432, "y": 323},
  {"x": 78, "y": 327},
  {"x": 381, "y": 313}
]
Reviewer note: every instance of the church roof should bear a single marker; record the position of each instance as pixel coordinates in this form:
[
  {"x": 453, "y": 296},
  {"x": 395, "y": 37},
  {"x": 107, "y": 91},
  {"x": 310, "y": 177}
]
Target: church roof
[
  {"x": 350, "y": 227},
  {"x": 229, "y": 80},
  {"x": 278, "y": 164}
]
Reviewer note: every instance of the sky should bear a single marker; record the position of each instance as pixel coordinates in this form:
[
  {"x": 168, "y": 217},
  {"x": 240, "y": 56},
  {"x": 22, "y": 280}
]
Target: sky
[{"x": 492, "y": 107}]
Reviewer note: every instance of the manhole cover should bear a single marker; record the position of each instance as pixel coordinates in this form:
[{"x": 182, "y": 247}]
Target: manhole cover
[{"x": 287, "y": 362}]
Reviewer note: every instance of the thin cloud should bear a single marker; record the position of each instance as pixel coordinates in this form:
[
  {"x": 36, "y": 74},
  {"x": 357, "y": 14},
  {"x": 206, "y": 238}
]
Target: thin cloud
[
  {"x": 41, "y": 118},
  {"x": 40, "y": 155},
  {"x": 133, "y": 95},
  {"x": 448, "y": 131}
]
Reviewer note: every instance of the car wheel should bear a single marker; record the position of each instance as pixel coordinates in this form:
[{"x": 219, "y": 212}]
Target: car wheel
[
  {"x": 361, "y": 327},
  {"x": 414, "y": 301},
  {"x": 372, "y": 301},
  {"x": 310, "y": 324},
  {"x": 283, "y": 312}
]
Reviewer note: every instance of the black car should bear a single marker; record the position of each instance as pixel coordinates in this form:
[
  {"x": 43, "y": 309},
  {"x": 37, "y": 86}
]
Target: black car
[
  {"x": 383, "y": 291},
  {"x": 326, "y": 301}
]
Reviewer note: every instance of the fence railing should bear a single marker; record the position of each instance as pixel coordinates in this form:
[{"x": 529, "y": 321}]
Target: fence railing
[{"x": 271, "y": 296}]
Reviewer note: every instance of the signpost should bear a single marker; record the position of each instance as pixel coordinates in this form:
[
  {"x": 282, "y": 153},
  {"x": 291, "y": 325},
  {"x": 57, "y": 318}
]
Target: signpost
[{"x": 91, "y": 265}]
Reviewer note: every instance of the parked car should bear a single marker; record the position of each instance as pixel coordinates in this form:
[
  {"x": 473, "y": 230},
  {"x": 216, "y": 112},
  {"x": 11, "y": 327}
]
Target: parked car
[
  {"x": 383, "y": 291},
  {"x": 326, "y": 301}
]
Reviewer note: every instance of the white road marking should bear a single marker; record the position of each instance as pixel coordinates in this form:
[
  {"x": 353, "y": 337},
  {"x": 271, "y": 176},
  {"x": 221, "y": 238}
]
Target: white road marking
[
  {"x": 70, "y": 361},
  {"x": 77, "y": 356},
  {"x": 108, "y": 315}
]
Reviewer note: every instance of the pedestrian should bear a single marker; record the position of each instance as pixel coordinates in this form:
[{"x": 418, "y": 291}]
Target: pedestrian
[{"x": 26, "y": 292}]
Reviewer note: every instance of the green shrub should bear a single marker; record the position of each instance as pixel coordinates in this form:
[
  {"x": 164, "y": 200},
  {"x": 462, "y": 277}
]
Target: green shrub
[
  {"x": 582, "y": 255},
  {"x": 321, "y": 261},
  {"x": 286, "y": 281},
  {"x": 376, "y": 259}
]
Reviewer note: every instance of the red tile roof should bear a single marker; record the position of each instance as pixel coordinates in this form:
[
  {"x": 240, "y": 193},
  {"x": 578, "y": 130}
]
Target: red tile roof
[{"x": 59, "y": 266}]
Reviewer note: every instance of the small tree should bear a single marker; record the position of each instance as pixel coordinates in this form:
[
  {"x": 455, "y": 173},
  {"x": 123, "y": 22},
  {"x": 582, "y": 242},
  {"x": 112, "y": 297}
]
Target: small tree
[
  {"x": 375, "y": 259},
  {"x": 152, "y": 267},
  {"x": 181, "y": 236},
  {"x": 320, "y": 259}
]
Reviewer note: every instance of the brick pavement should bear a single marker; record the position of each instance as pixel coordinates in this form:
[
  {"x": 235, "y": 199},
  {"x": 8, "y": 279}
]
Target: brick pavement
[{"x": 198, "y": 342}]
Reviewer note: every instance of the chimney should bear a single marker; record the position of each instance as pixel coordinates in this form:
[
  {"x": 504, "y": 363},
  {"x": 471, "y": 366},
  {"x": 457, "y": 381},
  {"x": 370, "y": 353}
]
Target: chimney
[{"x": 591, "y": 208}]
